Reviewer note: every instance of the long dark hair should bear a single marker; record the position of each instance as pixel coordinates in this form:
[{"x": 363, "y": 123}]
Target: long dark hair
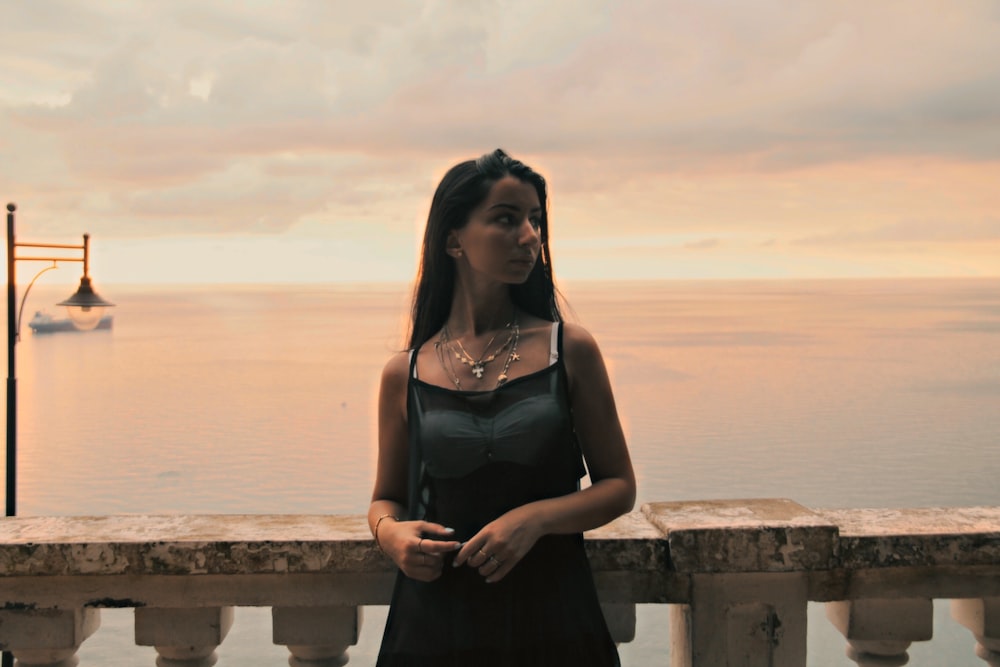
[{"x": 462, "y": 189}]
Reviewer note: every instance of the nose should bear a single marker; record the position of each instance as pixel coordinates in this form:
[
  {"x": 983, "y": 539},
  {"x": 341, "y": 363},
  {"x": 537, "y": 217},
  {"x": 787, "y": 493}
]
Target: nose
[{"x": 530, "y": 235}]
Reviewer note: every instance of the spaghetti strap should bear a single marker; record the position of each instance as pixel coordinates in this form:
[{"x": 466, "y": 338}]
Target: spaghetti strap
[
  {"x": 555, "y": 347},
  {"x": 413, "y": 364}
]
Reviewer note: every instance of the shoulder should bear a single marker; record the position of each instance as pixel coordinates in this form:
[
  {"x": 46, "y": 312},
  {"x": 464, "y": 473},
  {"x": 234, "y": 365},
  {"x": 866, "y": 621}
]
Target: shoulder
[
  {"x": 581, "y": 354},
  {"x": 578, "y": 344},
  {"x": 396, "y": 371}
]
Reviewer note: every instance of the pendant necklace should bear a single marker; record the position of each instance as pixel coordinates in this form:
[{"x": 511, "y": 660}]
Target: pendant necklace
[
  {"x": 478, "y": 366},
  {"x": 511, "y": 356}
]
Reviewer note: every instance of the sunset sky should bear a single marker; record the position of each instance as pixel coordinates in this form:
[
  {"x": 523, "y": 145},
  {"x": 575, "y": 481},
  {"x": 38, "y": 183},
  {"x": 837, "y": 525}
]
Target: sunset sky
[{"x": 252, "y": 141}]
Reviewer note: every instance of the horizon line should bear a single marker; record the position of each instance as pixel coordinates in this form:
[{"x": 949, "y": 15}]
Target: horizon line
[{"x": 616, "y": 279}]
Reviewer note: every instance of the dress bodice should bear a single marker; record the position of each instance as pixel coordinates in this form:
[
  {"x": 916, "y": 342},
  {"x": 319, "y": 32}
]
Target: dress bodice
[{"x": 515, "y": 442}]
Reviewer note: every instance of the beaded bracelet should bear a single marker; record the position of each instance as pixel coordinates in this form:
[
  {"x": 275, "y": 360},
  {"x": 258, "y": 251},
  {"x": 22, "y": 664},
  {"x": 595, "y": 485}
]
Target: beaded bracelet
[{"x": 377, "y": 522}]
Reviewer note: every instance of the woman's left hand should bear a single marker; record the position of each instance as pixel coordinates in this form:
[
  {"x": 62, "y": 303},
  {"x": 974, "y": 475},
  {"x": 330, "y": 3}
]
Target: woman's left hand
[{"x": 500, "y": 545}]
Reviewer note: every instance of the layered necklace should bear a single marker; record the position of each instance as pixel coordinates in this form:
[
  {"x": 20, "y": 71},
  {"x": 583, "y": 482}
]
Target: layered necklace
[{"x": 452, "y": 350}]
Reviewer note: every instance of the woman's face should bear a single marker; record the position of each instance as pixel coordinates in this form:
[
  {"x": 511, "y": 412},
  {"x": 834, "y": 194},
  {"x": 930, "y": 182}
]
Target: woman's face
[{"x": 502, "y": 237}]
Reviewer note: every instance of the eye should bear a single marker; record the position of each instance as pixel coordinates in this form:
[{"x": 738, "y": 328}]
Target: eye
[
  {"x": 535, "y": 222},
  {"x": 505, "y": 219}
]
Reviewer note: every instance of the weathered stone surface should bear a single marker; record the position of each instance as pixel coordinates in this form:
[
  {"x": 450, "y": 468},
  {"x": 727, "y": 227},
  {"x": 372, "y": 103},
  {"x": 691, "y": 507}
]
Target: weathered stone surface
[
  {"x": 877, "y": 619},
  {"x": 880, "y": 538},
  {"x": 757, "y": 535},
  {"x": 333, "y": 627},
  {"x": 249, "y": 544},
  {"x": 730, "y": 535},
  {"x": 189, "y": 544},
  {"x": 629, "y": 543},
  {"x": 47, "y": 628},
  {"x": 204, "y": 627}
]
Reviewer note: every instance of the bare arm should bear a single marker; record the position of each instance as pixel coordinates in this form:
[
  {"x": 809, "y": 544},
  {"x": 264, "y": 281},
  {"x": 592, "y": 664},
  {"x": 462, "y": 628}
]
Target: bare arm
[
  {"x": 408, "y": 543},
  {"x": 612, "y": 489}
]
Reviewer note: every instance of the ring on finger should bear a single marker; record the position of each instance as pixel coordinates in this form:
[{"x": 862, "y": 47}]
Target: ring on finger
[
  {"x": 485, "y": 555},
  {"x": 496, "y": 561},
  {"x": 423, "y": 558},
  {"x": 420, "y": 545}
]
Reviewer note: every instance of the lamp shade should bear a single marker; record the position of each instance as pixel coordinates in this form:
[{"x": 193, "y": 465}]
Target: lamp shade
[{"x": 85, "y": 307}]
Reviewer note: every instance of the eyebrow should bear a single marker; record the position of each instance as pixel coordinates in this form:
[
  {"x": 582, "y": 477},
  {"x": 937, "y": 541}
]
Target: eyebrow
[{"x": 536, "y": 209}]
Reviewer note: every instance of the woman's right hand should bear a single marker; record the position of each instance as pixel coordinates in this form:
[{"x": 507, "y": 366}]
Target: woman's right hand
[{"x": 417, "y": 547}]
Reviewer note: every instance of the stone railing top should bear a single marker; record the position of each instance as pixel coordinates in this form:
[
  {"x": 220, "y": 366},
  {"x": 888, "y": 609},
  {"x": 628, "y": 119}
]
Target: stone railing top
[
  {"x": 249, "y": 544},
  {"x": 922, "y": 537},
  {"x": 732, "y": 515},
  {"x": 759, "y": 535},
  {"x": 187, "y": 544},
  {"x": 754, "y": 535},
  {"x": 182, "y": 528},
  {"x": 914, "y": 521}
]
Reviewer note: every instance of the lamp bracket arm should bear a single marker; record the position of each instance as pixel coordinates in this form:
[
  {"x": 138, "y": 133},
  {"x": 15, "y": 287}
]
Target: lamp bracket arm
[
  {"x": 49, "y": 245},
  {"x": 20, "y": 311}
]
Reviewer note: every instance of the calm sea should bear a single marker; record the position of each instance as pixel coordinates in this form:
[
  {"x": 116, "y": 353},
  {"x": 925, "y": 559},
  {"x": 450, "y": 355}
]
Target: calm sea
[{"x": 260, "y": 399}]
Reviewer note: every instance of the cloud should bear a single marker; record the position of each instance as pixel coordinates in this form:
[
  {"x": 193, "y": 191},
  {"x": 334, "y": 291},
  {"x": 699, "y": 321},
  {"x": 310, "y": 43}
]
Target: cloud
[
  {"x": 189, "y": 117},
  {"x": 781, "y": 85},
  {"x": 703, "y": 244},
  {"x": 912, "y": 231},
  {"x": 643, "y": 241}
]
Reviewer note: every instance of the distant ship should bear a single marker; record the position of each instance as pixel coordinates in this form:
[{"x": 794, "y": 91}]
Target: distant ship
[{"x": 45, "y": 323}]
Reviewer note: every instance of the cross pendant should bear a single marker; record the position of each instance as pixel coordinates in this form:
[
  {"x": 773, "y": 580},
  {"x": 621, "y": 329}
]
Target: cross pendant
[{"x": 477, "y": 370}]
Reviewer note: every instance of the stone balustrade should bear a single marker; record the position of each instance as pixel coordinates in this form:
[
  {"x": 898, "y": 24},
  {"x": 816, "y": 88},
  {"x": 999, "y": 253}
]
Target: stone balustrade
[{"x": 738, "y": 575}]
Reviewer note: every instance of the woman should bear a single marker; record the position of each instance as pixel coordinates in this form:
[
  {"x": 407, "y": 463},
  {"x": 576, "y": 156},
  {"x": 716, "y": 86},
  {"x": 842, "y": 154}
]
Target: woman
[{"x": 482, "y": 424}]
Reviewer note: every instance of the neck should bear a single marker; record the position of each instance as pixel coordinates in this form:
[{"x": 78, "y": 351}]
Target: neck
[{"x": 475, "y": 314}]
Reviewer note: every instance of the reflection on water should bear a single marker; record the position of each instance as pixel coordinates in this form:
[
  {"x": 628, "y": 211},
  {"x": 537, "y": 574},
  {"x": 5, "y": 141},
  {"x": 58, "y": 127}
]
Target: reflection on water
[{"x": 261, "y": 400}]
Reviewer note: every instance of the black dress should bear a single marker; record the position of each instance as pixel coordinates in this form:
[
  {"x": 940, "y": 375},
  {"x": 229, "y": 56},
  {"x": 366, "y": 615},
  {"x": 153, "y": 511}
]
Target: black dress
[{"x": 473, "y": 457}]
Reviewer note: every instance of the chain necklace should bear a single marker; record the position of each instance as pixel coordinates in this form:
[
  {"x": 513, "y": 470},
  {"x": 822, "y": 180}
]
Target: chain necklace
[
  {"x": 511, "y": 356},
  {"x": 478, "y": 366},
  {"x": 446, "y": 363}
]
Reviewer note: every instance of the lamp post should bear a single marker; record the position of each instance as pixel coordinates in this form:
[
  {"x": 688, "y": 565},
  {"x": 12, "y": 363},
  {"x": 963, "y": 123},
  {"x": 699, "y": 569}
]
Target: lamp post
[{"x": 85, "y": 308}]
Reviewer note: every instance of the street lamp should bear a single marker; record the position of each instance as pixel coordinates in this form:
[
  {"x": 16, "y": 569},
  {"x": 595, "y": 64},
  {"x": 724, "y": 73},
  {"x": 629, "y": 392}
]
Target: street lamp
[{"x": 85, "y": 308}]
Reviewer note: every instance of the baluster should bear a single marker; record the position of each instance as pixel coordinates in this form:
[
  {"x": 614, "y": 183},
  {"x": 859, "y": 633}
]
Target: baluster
[
  {"x": 879, "y": 630},
  {"x": 47, "y": 637},
  {"x": 982, "y": 617},
  {"x": 316, "y": 636},
  {"x": 183, "y": 637},
  {"x": 746, "y": 561},
  {"x": 757, "y": 620}
]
